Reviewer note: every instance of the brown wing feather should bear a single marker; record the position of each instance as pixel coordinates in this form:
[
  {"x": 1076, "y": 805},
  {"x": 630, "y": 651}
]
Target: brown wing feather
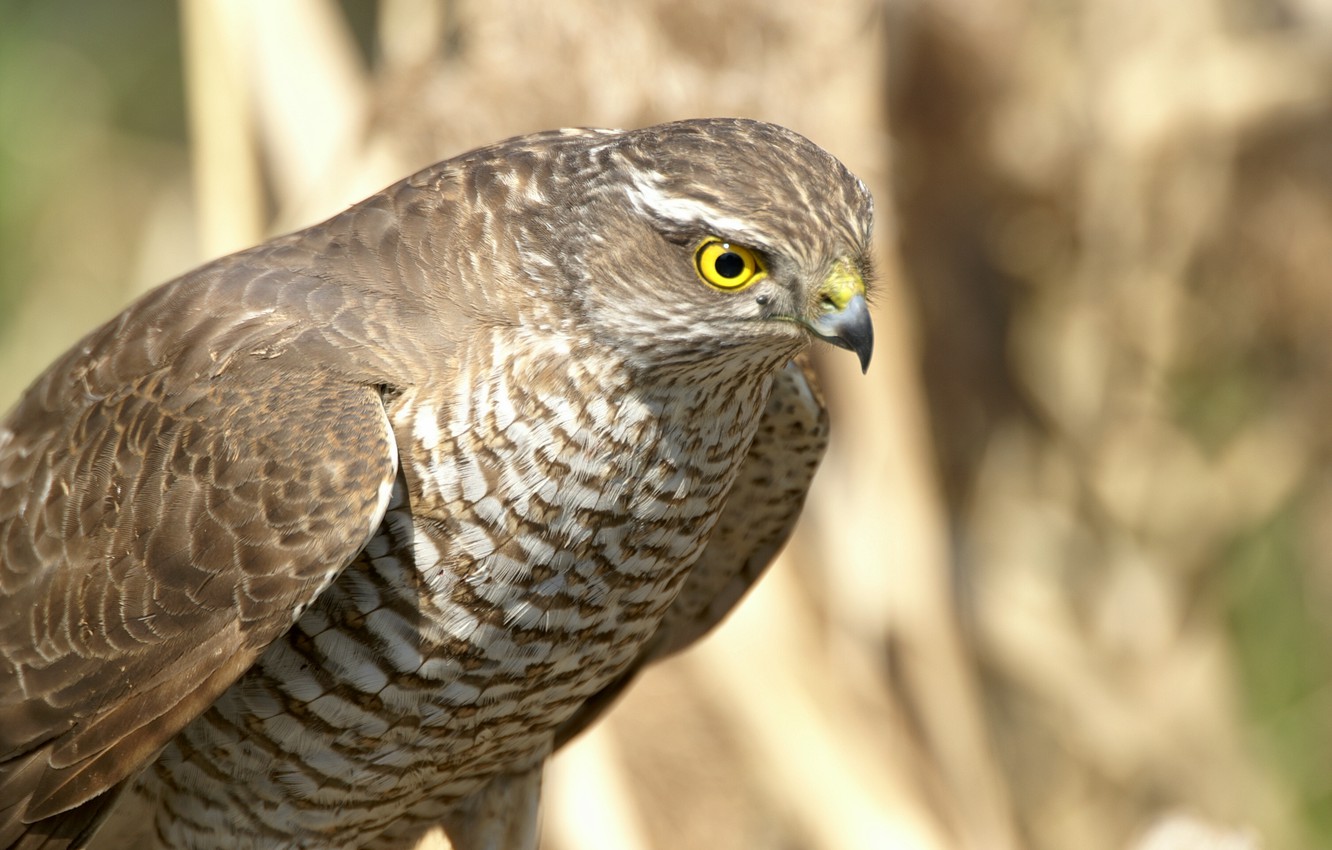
[
  {"x": 761, "y": 511},
  {"x": 181, "y": 483},
  {"x": 167, "y": 506}
]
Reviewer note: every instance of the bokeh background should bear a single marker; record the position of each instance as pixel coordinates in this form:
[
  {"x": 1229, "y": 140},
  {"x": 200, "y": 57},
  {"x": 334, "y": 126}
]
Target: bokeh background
[{"x": 1066, "y": 577}]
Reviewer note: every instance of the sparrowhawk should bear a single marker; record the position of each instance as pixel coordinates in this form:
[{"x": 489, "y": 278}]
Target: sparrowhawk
[{"x": 337, "y": 538}]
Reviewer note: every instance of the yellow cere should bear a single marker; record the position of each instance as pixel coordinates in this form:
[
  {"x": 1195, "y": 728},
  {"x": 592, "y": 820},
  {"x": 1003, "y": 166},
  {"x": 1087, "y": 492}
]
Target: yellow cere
[
  {"x": 727, "y": 266},
  {"x": 842, "y": 284}
]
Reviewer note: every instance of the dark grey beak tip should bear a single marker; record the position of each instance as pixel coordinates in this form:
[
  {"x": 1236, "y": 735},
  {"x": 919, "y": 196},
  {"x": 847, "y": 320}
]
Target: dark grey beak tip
[
  {"x": 848, "y": 328},
  {"x": 862, "y": 344}
]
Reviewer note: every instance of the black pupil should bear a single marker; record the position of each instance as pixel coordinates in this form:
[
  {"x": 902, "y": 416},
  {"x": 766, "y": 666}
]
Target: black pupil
[{"x": 730, "y": 265}]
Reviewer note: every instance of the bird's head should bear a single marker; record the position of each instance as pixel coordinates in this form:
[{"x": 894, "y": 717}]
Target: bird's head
[
  {"x": 731, "y": 238},
  {"x": 691, "y": 243}
]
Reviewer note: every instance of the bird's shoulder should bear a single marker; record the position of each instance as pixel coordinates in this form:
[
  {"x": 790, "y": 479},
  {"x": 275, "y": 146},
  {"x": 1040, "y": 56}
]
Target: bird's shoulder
[{"x": 173, "y": 491}]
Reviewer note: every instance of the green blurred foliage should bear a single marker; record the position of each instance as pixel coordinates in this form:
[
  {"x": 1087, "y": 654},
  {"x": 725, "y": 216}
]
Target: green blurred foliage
[
  {"x": 76, "y": 77},
  {"x": 1279, "y": 624}
]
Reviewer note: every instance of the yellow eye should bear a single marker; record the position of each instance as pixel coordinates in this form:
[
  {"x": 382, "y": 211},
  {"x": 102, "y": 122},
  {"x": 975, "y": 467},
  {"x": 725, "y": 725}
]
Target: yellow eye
[{"x": 727, "y": 266}]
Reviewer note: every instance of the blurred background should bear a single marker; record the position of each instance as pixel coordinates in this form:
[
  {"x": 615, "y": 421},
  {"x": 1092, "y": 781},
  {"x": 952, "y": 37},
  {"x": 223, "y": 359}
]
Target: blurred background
[{"x": 1066, "y": 577}]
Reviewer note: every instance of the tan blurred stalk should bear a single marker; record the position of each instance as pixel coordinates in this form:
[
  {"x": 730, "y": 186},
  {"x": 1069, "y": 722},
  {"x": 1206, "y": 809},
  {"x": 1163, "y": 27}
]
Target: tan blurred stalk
[{"x": 229, "y": 202}]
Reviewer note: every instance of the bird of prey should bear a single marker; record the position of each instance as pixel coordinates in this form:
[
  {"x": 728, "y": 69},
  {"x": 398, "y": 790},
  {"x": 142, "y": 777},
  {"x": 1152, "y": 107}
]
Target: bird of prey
[{"x": 335, "y": 539}]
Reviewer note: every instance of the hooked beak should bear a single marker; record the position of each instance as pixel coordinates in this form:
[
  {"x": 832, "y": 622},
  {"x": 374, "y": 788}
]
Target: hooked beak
[{"x": 843, "y": 318}]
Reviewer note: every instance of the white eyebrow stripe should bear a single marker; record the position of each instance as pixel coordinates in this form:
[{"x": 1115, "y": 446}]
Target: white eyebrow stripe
[{"x": 648, "y": 199}]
